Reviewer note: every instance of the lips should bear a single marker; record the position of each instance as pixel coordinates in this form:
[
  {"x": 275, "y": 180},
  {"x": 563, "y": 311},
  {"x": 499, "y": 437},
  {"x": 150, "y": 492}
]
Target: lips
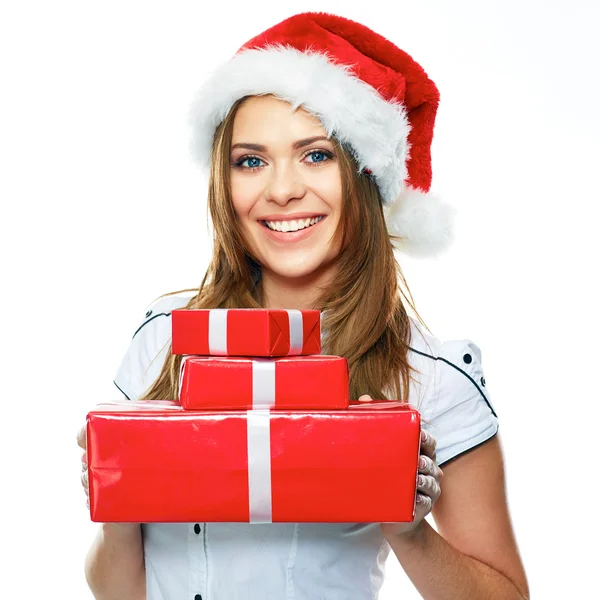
[
  {"x": 291, "y": 236},
  {"x": 291, "y": 225}
]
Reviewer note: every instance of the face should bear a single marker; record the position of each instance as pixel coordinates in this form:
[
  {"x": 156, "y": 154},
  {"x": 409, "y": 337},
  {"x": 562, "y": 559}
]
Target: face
[{"x": 286, "y": 187}]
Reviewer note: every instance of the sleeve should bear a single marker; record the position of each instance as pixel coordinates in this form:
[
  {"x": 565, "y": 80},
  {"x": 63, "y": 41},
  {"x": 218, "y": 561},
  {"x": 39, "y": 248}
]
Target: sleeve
[
  {"x": 147, "y": 351},
  {"x": 461, "y": 416}
]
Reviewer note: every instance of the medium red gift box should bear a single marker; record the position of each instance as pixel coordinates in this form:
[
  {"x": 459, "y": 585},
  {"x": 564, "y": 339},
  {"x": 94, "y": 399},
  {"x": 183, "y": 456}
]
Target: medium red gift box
[
  {"x": 226, "y": 383},
  {"x": 165, "y": 464},
  {"x": 246, "y": 332}
]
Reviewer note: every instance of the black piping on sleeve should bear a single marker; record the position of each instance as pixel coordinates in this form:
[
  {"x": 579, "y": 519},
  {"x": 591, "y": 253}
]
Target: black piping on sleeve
[
  {"x": 469, "y": 449},
  {"x": 463, "y": 372},
  {"x": 148, "y": 321},
  {"x": 122, "y": 392}
]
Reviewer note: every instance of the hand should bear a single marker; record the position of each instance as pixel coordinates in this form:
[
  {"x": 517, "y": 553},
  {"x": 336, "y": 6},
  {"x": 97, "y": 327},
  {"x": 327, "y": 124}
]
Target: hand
[
  {"x": 428, "y": 488},
  {"x": 82, "y": 443}
]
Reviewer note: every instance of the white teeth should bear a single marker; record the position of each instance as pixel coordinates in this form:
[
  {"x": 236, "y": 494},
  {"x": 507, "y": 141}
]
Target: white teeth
[
  {"x": 296, "y": 225},
  {"x": 293, "y": 225}
]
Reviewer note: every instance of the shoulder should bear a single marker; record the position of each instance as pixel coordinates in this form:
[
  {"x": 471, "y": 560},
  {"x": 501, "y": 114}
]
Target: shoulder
[
  {"x": 161, "y": 309},
  {"x": 455, "y": 404},
  {"x": 149, "y": 344},
  {"x": 456, "y": 363},
  {"x": 154, "y": 330}
]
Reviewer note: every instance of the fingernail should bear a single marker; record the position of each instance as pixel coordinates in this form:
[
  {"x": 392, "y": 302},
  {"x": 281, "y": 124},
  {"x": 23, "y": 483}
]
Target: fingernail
[
  {"x": 423, "y": 436},
  {"x": 421, "y": 480},
  {"x": 422, "y": 463}
]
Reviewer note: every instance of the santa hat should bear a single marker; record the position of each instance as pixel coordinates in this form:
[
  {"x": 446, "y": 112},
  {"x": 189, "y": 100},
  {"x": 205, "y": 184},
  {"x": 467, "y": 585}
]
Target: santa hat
[{"x": 368, "y": 93}]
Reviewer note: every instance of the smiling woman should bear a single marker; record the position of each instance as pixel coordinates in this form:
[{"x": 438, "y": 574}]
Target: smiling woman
[{"x": 317, "y": 136}]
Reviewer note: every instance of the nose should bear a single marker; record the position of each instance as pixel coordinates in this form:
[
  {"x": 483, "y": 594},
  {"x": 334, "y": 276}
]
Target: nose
[{"x": 284, "y": 184}]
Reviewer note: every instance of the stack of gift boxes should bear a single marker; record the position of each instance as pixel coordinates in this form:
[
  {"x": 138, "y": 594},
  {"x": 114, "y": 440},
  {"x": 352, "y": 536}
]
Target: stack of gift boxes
[{"x": 263, "y": 432}]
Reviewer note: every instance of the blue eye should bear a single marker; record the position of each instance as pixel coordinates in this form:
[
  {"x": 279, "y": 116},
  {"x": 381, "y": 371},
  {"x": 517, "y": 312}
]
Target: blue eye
[
  {"x": 248, "y": 162},
  {"x": 317, "y": 156},
  {"x": 253, "y": 162}
]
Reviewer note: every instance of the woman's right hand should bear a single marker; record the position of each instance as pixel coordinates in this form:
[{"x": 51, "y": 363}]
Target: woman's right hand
[{"x": 82, "y": 442}]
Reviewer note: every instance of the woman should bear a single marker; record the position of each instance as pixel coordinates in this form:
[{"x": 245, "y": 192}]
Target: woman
[{"x": 317, "y": 135}]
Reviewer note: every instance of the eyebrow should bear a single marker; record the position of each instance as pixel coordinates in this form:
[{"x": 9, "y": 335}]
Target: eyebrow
[{"x": 296, "y": 145}]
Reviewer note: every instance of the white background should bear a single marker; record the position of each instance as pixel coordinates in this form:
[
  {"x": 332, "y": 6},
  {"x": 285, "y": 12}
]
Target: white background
[{"x": 103, "y": 211}]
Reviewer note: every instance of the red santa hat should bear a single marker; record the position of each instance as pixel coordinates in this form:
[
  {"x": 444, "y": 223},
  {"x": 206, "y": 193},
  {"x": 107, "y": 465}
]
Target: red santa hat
[{"x": 368, "y": 93}]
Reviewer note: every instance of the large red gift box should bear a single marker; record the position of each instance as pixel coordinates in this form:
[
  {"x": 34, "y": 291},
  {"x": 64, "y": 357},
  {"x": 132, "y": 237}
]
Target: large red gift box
[
  {"x": 246, "y": 332},
  {"x": 155, "y": 462},
  {"x": 226, "y": 383}
]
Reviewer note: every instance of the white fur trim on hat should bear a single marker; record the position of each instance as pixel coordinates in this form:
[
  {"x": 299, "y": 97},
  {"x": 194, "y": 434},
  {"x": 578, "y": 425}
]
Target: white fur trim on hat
[
  {"x": 354, "y": 112},
  {"x": 424, "y": 224}
]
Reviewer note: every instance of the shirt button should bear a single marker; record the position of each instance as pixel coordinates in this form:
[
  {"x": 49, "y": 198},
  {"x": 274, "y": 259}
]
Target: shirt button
[
  {"x": 467, "y": 358},
  {"x": 148, "y": 313},
  {"x": 197, "y": 597},
  {"x": 197, "y": 528},
  {"x": 483, "y": 381}
]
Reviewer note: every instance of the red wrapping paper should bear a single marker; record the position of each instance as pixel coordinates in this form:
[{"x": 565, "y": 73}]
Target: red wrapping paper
[
  {"x": 245, "y": 332},
  {"x": 226, "y": 383},
  {"x": 164, "y": 464}
]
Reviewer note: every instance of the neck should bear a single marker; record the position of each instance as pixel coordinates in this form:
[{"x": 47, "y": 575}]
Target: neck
[{"x": 299, "y": 292}]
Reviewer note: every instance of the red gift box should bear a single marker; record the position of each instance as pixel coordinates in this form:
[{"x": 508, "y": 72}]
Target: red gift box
[
  {"x": 156, "y": 462},
  {"x": 225, "y": 383},
  {"x": 246, "y": 332}
]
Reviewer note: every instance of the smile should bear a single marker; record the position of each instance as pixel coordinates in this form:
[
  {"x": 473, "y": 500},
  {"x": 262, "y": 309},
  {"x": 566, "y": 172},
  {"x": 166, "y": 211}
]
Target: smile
[{"x": 292, "y": 225}]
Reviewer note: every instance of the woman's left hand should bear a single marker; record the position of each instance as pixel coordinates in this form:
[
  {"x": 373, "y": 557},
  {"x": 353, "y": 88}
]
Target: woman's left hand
[{"x": 428, "y": 486}]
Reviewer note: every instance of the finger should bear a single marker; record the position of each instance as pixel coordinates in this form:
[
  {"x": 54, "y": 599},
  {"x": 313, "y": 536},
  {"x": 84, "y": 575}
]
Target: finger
[
  {"x": 81, "y": 438},
  {"x": 365, "y": 398},
  {"x": 427, "y": 466},
  {"x": 424, "y": 505},
  {"x": 428, "y": 444},
  {"x": 84, "y": 480},
  {"x": 428, "y": 486}
]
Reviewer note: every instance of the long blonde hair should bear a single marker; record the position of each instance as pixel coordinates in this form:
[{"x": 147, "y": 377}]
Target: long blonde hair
[{"x": 365, "y": 317}]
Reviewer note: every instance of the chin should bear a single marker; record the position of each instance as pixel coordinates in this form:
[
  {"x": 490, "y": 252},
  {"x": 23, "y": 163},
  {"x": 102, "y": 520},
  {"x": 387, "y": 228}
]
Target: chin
[{"x": 294, "y": 269}]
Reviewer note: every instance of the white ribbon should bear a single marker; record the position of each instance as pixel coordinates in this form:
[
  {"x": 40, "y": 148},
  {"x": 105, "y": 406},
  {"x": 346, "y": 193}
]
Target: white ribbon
[
  {"x": 296, "y": 332},
  {"x": 259, "y": 465},
  {"x": 217, "y": 332},
  {"x": 263, "y": 383},
  {"x": 181, "y": 370}
]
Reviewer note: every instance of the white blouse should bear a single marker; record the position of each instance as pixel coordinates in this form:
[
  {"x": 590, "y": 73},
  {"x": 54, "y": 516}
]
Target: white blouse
[{"x": 301, "y": 561}]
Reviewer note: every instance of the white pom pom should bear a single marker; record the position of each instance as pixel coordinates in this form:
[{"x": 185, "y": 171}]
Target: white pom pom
[{"x": 423, "y": 222}]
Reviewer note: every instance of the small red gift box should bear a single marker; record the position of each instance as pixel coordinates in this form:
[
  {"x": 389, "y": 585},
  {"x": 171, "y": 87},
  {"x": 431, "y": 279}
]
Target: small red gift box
[
  {"x": 246, "y": 332},
  {"x": 156, "y": 462},
  {"x": 225, "y": 383}
]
